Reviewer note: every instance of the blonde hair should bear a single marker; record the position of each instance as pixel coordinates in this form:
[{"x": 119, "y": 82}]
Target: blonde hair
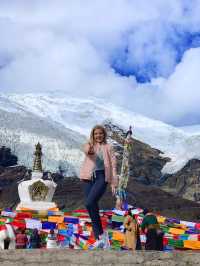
[{"x": 92, "y": 141}]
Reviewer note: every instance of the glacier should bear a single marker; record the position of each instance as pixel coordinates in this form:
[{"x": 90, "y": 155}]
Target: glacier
[{"x": 62, "y": 124}]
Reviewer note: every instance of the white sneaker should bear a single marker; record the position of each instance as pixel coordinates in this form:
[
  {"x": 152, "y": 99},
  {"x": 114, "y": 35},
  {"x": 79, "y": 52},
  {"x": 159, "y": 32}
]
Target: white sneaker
[
  {"x": 103, "y": 242},
  {"x": 105, "y": 238},
  {"x": 98, "y": 244}
]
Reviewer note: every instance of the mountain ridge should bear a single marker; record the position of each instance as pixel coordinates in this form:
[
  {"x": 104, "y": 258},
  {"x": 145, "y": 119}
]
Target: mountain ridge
[{"x": 64, "y": 113}]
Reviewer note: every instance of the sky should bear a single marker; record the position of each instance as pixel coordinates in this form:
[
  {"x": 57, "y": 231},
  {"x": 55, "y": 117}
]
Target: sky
[{"x": 140, "y": 54}]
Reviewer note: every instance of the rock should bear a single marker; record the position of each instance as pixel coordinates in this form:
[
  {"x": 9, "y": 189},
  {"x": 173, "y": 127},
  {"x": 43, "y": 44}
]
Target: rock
[
  {"x": 186, "y": 182},
  {"x": 6, "y": 157},
  {"x": 146, "y": 167},
  {"x": 146, "y": 162},
  {"x": 62, "y": 257}
]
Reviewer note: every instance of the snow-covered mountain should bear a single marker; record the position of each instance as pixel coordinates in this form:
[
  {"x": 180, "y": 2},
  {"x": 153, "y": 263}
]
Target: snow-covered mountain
[
  {"x": 21, "y": 130},
  {"x": 62, "y": 123}
]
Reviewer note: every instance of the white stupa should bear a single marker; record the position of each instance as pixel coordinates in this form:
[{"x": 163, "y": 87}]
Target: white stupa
[{"x": 37, "y": 193}]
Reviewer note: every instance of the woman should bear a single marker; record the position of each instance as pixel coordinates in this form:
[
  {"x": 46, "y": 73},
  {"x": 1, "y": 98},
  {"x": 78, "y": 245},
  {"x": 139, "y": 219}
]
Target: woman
[
  {"x": 150, "y": 226},
  {"x": 21, "y": 239},
  {"x": 98, "y": 169},
  {"x": 52, "y": 239},
  {"x": 131, "y": 231},
  {"x": 35, "y": 239}
]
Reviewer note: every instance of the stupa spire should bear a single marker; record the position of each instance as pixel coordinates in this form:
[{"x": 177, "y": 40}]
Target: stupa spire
[{"x": 37, "y": 164}]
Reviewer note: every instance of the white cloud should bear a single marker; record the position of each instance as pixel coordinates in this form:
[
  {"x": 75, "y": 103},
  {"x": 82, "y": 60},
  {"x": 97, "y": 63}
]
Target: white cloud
[
  {"x": 174, "y": 98},
  {"x": 71, "y": 46},
  {"x": 182, "y": 89}
]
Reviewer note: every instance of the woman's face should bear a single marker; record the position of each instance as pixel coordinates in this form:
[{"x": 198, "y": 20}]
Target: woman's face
[{"x": 98, "y": 135}]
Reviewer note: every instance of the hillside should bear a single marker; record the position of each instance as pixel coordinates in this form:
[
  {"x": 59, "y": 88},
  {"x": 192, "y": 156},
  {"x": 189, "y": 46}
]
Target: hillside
[{"x": 69, "y": 195}]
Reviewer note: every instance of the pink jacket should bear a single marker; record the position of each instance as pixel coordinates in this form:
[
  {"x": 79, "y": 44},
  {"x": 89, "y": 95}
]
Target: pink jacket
[{"x": 109, "y": 163}]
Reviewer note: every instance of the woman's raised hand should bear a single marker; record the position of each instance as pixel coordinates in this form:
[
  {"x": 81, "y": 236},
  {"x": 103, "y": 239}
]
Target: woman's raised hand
[{"x": 91, "y": 149}]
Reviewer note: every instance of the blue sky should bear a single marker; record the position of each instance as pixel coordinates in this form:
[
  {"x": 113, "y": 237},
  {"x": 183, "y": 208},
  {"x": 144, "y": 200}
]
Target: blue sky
[
  {"x": 176, "y": 40},
  {"x": 140, "y": 54}
]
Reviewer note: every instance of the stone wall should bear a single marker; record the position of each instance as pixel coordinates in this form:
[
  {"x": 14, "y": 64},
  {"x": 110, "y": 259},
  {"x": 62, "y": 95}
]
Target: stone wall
[{"x": 63, "y": 257}]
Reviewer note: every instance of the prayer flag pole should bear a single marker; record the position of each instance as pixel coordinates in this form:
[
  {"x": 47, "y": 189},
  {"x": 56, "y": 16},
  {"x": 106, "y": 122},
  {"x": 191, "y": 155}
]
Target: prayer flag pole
[{"x": 125, "y": 171}]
